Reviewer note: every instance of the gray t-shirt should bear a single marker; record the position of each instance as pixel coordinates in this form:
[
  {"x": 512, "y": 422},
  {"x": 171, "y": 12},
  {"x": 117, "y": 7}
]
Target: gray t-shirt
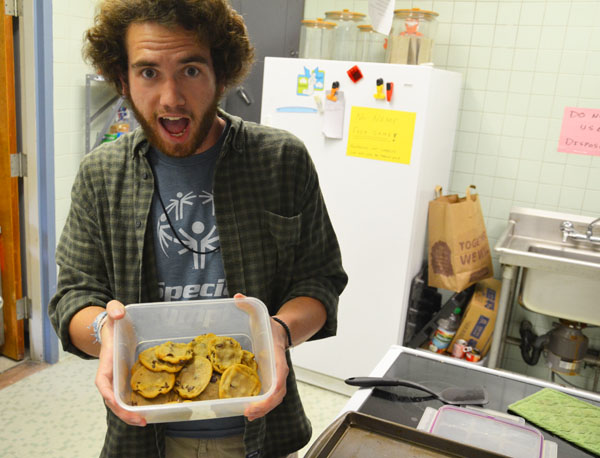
[{"x": 189, "y": 262}]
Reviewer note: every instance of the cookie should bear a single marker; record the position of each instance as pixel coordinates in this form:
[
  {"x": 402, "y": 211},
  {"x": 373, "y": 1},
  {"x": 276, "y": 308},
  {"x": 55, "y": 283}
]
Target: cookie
[
  {"x": 224, "y": 352},
  {"x": 175, "y": 353},
  {"x": 166, "y": 398},
  {"x": 212, "y": 389},
  {"x": 150, "y": 384},
  {"x": 194, "y": 377},
  {"x": 248, "y": 360},
  {"x": 200, "y": 344},
  {"x": 149, "y": 360},
  {"x": 239, "y": 381}
]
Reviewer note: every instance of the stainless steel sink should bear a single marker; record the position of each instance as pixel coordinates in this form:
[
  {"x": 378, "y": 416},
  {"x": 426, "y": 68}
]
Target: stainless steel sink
[{"x": 560, "y": 279}]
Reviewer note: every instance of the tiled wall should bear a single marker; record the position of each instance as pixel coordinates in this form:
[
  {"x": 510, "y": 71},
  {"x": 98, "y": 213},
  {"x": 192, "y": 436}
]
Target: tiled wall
[
  {"x": 522, "y": 63},
  {"x": 70, "y": 20}
]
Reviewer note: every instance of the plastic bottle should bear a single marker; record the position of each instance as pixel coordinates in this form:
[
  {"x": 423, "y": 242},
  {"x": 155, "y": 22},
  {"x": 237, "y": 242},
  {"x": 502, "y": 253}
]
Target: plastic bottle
[{"x": 445, "y": 332}]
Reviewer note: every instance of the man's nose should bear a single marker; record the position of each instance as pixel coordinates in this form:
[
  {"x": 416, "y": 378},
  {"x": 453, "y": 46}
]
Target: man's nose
[{"x": 171, "y": 95}]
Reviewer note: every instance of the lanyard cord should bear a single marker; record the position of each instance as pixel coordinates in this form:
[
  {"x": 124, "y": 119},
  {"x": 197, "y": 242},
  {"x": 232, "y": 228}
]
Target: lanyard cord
[{"x": 173, "y": 229}]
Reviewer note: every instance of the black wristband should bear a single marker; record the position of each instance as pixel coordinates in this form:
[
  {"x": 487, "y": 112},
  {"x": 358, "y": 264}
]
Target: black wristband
[{"x": 287, "y": 330}]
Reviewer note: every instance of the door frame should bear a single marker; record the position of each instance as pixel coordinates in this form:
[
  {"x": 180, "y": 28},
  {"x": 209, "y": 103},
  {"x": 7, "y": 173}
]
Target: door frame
[{"x": 38, "y": 200}]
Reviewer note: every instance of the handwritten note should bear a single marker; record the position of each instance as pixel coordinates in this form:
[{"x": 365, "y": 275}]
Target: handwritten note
[
  {"x": 379, "y": 134},
  {"x": 381, "y": 13},
  {"x": 580, "y": 132}
]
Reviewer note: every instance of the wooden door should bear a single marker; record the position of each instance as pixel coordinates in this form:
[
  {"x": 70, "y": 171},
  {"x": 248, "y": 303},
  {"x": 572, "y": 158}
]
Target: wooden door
[{"x": 10, "y": 251}]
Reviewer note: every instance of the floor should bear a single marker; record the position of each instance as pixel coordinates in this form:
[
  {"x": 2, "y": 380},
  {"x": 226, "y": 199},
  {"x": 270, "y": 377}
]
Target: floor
[{"x": 55, "y": 410}]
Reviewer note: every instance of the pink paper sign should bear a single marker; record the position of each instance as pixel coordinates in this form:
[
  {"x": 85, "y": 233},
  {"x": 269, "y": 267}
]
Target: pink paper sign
[{"x": 580, "y": 132}]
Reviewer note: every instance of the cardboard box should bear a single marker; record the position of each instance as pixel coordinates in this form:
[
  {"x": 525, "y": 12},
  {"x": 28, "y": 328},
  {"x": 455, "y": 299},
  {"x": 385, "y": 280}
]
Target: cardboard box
[{"x": 477, "y": 325}]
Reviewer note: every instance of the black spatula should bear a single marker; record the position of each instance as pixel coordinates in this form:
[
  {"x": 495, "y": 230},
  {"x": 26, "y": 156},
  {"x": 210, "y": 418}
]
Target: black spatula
[{"x": 452, "y": 395}]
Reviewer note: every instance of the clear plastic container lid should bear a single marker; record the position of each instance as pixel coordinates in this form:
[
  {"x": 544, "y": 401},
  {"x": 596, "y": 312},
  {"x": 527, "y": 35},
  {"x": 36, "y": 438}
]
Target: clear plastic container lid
[
  {"x": 488, "y": 432},
  {"x": 345, "y": 15}
]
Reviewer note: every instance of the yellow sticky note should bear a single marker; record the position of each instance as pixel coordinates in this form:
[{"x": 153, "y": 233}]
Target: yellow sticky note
[{"x": 383, "y": 135}]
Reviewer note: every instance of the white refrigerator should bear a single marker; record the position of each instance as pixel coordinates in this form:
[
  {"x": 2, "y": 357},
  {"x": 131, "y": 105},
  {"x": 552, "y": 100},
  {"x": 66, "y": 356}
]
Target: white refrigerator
[{"x": 379, "y": 149}]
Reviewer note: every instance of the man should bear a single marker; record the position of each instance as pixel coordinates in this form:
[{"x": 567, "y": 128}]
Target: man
[{"x": 195, "y": 204}]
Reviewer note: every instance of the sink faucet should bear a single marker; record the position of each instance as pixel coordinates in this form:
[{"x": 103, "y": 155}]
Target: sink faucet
[{"x": 569, "y": 232}]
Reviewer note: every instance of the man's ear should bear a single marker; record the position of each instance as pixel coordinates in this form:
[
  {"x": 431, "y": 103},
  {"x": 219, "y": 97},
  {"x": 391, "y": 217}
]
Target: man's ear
[{"x": 124, "y": 87}]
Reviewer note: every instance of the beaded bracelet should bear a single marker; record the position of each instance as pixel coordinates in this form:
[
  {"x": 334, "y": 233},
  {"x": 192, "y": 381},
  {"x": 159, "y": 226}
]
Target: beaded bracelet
[{"x": 287, "y": 330}]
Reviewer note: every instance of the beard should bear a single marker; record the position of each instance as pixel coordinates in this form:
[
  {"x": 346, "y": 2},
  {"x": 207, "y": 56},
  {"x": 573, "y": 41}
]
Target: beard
[{"x": 196, "y": 138}]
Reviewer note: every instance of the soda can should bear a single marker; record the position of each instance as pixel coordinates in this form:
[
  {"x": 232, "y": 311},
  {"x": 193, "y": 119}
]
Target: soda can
[
  {"x": 459, "y": 349},
  {"x": 473, "y": 355}
]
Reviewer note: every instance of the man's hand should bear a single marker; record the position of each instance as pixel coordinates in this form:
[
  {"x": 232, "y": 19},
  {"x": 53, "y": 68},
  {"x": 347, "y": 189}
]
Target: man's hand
[{"x": 104, "y": 376}]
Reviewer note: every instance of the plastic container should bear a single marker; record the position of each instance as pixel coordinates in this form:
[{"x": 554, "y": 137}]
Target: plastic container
[
  {"x": 346, "y": 33},
  {"x": 412, "y": 37},
  {"x": 445, "y": 332},
  {"x": 488, "y": 432},
  {"x": 146, "y": 325},
  {"x": 316, "y": 39},
  {"x": 371, "y": 45}
]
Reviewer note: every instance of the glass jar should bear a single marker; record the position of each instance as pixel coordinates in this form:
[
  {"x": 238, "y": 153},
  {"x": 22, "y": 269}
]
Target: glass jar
[
  {"x": 346, "y": 33},
  {"x": 412, "y": 36},
  {"x": 371, "y": 45},
  {"x": 316, "y": 39}
]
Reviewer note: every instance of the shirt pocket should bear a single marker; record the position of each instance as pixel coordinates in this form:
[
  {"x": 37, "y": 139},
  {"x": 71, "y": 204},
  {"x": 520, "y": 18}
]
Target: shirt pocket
[{"x": 282, "y": 235}]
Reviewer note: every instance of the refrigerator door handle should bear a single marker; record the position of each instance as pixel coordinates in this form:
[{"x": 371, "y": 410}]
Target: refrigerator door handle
[{"x": 241, "y": 90}]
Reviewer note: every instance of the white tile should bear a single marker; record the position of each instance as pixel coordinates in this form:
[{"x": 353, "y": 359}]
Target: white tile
[
  {"x": 514, "y": 125},
  {"x": 460, "y": 181},
  {"x": 533, "y": 149},
  {"x": 531, "y": 13},
  {"x": 483, "y": 35},
  {"x": 467, "y": 142},
  {"x": 458, "y": 56},
  {"x": 593, "y": 182},
  {"x": 521, "y": 82},
  {"x": 504, "y": 188},
  {"x": 485, "y": 13},
  {"x": 498, "y": 80},
  {"x": 591, "y": 202},
  {"x": 485, "y": 165},
  {"x": 528, "y": 37},
  {"x": 590, "y": 85},
  {"x": 500, "y": 208},
  {"x": 517, "y": 104},
  {"x": 548, "y": 194},
  {"x": 495, "y": 102},
  {"x": 445, "y": 9},
  {"x": 502, "y": 58},
  {"x": 553, "y": 38},
  {"x": 552, "y": 173},
  {"x": 489, "y": 144},
  {"x": 470, "y": 121},
  {"x": 464, "y": 162},
  {"x": 473, "y": 100},
  {"x": 548, "y": 61},
  {"x": 491, "y": 123},
  {"x": 526, "y": 191},
  {"x": 529, "y": 170},
  {"x": 443, "y": 34},
  {"x": 575, "y": 177},
  {"x": 579, "y": 38},
  {"x": 479, "y": 57},
  {"x": 510, "y": 147},
  {"x": 508, "y": 13},
  {"x": 540, "y": 106},
  {"x": 507, "y": 168},
  {"x": 463, "y": 12},
  {"x": 573, "y": 62},
  {"x": 568, "y": 84},
  {"x": 505, "y": 36},
  {"x": 536, "y": 127},
  {"x": 571, "y": 198},
  {"x": 592, "y": 65},
  {"x": 583, "y": 14},
  {"x": 476, "y": 78},
  {"x": 460, "y": 34},
  {"x": 524, "y": 60},
  {"x": 556, "y": 13}
]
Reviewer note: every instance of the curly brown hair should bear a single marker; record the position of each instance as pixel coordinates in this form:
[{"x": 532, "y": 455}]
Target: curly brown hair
[{"x": 214, "y": 21}]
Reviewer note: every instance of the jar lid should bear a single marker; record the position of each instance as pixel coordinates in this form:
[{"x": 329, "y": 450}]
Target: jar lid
[
  {"x": 365, "y": 28},
  {"x": 345, "y": 15},
  {"x": 416, "y": 13},
  {"x": 318, "y": 23}
]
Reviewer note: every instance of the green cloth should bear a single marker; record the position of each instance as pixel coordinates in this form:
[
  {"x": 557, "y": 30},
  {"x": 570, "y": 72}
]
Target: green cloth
[
  {"x": 276, "y": 240},
  {"x": 570, "y": 418}
]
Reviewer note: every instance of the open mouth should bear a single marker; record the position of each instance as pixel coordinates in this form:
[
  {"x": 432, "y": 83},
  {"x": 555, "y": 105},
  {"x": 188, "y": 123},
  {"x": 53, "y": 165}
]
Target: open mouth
[{"x": 176, "y": 126}]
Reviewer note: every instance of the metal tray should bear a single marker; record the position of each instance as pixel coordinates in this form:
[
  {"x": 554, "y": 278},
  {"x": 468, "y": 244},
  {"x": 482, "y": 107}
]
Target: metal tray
[{"x": 358, "y": 435}]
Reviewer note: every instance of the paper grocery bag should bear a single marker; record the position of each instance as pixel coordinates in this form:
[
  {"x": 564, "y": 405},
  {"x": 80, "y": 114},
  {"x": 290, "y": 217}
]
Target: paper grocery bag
[{"x": 459, "y": 251}]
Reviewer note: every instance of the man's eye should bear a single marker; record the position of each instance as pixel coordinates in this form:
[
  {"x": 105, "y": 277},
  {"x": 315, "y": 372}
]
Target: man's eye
[
  {"x": 192, "y": 71},
  {"x": 148, "y": 73}
]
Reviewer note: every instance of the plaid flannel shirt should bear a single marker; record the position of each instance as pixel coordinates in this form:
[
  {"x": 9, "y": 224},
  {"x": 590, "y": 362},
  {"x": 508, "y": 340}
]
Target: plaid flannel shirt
[{"x": 276, "y": 240}]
